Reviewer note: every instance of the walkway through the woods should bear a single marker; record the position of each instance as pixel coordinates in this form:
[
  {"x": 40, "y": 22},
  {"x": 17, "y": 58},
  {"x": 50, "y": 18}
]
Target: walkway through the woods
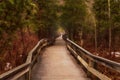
[{"x": 56, "y": 63}]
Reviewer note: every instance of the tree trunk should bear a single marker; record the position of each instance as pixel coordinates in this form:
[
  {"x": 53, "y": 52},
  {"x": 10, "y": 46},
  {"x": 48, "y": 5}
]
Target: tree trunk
[
  {"x": 22, "y": 40},
  {"x": 95, "y": 38},
  {"x": 81, "y": 37},
  {"x": 28, "y": 29},
  {"x": 110, "y": 32}
]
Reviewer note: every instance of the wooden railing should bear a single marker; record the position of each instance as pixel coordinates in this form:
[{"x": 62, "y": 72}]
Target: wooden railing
[
  {"x": 90, "y": 61},
  {"x": 24, "y": 70}
]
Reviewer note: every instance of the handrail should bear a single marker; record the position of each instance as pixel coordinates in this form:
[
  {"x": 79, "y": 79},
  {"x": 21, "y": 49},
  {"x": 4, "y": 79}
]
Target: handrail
[
  {"x": 29, "y": 57},
  {"x": 111, "y": 64},
  {"x": 73, "y": 47},
  {"x": 7, "y": 74},
  {"x": 27, "y": 65}
]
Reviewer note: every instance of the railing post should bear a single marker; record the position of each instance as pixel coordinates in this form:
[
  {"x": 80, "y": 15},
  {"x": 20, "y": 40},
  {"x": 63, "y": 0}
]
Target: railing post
[
  {"x": 92, "y": 64},
  {"x": 28, "y": 74}
]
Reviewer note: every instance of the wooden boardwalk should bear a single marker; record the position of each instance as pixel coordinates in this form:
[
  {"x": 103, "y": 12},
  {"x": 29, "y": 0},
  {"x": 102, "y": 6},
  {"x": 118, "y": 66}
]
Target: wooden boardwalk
[{"x": 56, "y": 63}]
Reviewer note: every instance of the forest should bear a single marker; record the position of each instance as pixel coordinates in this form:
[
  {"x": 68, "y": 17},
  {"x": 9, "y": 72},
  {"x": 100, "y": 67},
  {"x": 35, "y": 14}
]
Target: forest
[
  {"x": 93, "y": 24},
  {"x": 22, "y": 24}
]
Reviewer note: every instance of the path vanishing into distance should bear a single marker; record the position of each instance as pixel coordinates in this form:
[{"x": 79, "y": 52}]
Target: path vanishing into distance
[{"x": 56, "y": 63}]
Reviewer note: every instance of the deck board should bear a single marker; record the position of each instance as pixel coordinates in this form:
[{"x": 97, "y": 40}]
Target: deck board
[{"x": 56, "y": 63}]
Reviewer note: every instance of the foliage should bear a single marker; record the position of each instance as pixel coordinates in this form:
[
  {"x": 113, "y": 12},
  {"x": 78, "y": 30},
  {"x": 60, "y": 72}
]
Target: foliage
[
  {"x": 101, "y": 12},
  {"x": 22, "y": 22},
  {"x": 73, "y": 16},
  {"x": 48, "y": 19}
]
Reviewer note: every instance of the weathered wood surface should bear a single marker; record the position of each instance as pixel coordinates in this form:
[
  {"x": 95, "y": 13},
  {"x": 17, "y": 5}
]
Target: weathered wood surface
[{"x": 56, "y": 63}]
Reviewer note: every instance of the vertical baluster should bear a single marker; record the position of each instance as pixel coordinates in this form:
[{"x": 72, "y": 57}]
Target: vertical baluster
[
  {"x": 28, "y": 74},
  {"x": 92, "y": 64}
]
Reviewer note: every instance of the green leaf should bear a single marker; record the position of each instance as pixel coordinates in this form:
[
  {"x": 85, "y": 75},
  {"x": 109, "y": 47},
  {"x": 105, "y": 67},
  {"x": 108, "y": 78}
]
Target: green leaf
[{"x": 11, "y": 1}]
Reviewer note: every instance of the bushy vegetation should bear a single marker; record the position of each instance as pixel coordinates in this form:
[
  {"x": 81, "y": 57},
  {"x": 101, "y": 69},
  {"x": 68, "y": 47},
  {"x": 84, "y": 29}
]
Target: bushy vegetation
[
  {"x": 73, "y": 17},
  {"x": 95, "y": 25},
  {"x": 108, "y": 25},
  {"x": 22, "y": 24}
]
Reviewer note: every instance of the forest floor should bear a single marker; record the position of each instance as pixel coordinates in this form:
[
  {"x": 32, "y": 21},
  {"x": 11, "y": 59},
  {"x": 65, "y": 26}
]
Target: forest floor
[
  {"x": 114, "y": 56},
  {"x": 14, "y": 55}
]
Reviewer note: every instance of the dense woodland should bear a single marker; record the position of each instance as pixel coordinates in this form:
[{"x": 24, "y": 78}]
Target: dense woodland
[
  {"x": 22, "y": 24},
  {"x": 93, "y": 24}
]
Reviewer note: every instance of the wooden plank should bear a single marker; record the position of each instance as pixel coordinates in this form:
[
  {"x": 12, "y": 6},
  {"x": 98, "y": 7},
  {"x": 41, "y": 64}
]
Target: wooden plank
[
  {"x": 60, "y": 65},
  {"x": 19, "y": 69},
  {"x": 106, "y": 62},
  {"x": 13, "y": 71},
  {"x": 89, "y": 68},
  {"x": 20, "y": 74},
  {"x": 73, "y": 51}
]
